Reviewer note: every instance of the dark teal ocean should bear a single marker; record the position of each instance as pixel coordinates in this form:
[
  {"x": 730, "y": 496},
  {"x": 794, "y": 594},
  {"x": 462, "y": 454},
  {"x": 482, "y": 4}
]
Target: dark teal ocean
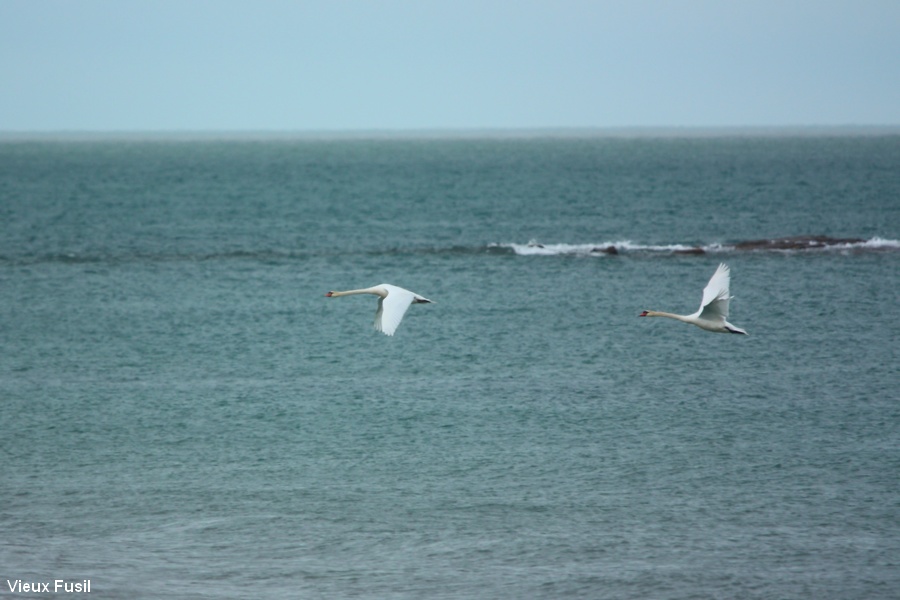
[{"x": 187, "y": 416}]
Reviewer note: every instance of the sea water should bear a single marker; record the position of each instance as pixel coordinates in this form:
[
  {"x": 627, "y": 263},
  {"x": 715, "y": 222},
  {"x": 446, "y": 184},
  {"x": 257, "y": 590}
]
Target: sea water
[{"x": 186, "y": 415}]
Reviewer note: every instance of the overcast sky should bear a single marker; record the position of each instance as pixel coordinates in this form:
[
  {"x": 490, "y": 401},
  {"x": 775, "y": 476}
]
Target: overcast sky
[{"x": 464, "y": 64}]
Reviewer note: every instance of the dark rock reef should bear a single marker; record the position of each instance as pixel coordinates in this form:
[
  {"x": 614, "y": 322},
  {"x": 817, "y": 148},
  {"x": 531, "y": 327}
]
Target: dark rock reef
[{"x": 798, "y": 242}]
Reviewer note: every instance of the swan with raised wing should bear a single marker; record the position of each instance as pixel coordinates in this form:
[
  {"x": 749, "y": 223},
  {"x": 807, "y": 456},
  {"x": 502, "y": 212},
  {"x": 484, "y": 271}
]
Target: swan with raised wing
[
  {"x": 713, "y": 313},
  {"x": 393, "y": 302}
]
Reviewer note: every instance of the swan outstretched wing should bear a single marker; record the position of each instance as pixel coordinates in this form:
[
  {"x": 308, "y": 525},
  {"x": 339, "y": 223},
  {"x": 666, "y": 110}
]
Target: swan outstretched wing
[
  {"x": 391, "y": 308},
  {"x": 716, "y": 295}
]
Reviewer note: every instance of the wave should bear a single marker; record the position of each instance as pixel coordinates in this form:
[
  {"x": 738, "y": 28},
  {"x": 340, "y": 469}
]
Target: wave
[
  {"x": 114, "y": 257},
  {"x": 803, "y": 243},
  {"x": 532, "y": 248}
]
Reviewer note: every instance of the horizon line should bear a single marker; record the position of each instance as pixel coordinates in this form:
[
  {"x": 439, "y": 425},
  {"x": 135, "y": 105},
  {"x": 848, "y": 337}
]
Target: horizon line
[{"x": 462, "y": 132}]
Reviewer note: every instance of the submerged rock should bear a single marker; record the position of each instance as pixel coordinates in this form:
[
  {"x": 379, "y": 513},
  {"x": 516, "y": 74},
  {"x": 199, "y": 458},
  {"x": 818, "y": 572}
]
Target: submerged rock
[{"x": 798, "y": 242}]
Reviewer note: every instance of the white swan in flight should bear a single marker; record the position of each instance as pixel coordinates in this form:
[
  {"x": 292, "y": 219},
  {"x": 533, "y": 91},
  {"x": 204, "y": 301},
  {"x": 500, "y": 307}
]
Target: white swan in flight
[
  {"x": 392, "y": 304},
  {"x": 713, "y": 309}
]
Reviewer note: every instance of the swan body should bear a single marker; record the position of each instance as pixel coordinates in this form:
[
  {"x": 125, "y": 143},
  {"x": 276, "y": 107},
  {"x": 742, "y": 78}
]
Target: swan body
[
  {"x": 393, "y": 302},
  {"x": 713, "y": 313}
]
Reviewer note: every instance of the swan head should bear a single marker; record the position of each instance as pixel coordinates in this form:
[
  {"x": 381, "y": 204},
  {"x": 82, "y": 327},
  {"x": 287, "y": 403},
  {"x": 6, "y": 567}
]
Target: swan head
[
  {"x": 329, "y": 294},
  {"x": 646, "y": 313}
]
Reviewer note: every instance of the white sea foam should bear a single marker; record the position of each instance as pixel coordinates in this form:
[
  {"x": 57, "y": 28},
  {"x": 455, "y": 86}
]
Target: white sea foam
[
  {"x": 877, "y": 243},
  {"x": 608, "y": 248}
]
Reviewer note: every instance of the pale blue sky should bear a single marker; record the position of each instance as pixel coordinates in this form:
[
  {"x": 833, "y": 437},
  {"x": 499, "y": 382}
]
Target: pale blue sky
[{"x": 420, "y": 64}]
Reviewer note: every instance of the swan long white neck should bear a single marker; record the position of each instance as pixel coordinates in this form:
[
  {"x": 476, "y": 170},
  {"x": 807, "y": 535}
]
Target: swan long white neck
[
  {"x": 682, "y": 318},
  {"x": 377, "y": 291}
]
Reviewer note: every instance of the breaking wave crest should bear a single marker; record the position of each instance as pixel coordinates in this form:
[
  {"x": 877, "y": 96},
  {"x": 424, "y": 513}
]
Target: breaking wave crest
[
  {"x": 785, "y": 244},
  {"x": 532, "y": 248}
]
